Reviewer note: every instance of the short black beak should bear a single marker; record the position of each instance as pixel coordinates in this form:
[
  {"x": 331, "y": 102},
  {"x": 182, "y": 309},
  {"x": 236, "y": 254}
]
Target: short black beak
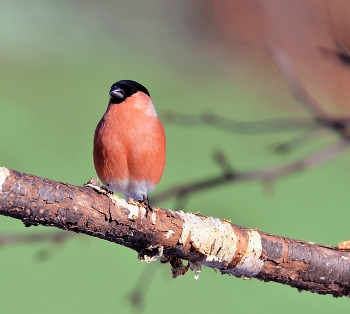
[{"x": 116, "y": 92}]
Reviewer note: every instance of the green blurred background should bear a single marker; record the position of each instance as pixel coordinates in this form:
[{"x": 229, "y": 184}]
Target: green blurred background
[{"x": 58, "y": 60}]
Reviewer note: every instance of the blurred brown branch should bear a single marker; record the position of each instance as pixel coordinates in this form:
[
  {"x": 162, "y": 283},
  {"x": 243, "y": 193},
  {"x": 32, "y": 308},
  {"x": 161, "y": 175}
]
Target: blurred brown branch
[
  {"x": 137, "y": 295},
  {"x": 56, "y": 237},
  {"x": 320, "y": 119},
  {"x": 264, "y": 175},
  {"x": 236, "y": 126}
]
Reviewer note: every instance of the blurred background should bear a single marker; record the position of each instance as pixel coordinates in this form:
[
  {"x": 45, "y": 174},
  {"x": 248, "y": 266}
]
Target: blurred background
[{"x": 57, "y": 63}]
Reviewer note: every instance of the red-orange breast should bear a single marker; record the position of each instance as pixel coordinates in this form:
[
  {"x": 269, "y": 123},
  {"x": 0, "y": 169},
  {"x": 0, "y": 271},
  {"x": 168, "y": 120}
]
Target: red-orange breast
[{"x": 129, "y": 142}]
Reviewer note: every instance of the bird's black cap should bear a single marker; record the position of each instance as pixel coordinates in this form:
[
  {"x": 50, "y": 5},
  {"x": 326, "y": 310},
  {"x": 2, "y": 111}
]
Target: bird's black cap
[{"x": 125, "y": 88}]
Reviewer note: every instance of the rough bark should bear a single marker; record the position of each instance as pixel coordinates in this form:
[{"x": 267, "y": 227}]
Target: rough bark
[{"x": 175, "y": 236}]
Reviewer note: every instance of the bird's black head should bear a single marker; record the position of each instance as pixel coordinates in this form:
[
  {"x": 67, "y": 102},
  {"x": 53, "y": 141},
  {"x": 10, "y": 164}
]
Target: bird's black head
[{"x": 124, "y": 89}]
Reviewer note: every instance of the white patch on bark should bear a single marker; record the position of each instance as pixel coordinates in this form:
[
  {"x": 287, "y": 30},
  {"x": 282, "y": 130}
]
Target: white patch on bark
[
  {"x": 216, "y": 240},
  {"x": 169, "y": 234},
  {"x": 4, "y": 174},
  {"x": 135, "y": 211},
  {"x": 154, "y": 217},
  {"x": 250, "y": 264},
  {"x": 210, "y": 236}
]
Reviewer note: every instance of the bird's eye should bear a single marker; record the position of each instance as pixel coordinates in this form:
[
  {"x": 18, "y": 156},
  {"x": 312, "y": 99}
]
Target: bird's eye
[{"x": 133, "y": 90}]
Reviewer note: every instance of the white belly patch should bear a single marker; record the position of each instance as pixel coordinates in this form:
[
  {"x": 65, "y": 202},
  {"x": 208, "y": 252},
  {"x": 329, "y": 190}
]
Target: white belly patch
[{"x": 133, "y": 189}]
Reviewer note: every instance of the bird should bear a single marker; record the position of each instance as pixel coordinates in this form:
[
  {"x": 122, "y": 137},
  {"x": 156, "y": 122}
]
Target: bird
[{"x": 129, "y": 148}]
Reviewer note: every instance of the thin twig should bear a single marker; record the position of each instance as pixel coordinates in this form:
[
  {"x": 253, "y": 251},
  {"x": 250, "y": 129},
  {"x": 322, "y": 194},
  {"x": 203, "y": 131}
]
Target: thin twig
[
  {"x": 239, "y": 127},
  {"x": 137, "y": 295},
  {"x": 267, "y": 174},
  {"x": 299, "y": 141},
  {"x": 291, "y": 76},
  {"x": 14, "y": 238}
]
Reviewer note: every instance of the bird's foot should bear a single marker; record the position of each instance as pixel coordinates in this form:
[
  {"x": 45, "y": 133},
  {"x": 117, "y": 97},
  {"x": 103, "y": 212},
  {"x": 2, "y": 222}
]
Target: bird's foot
[
  {"x": 145, "y": 202},
  {"x": 105, "y": 188}
]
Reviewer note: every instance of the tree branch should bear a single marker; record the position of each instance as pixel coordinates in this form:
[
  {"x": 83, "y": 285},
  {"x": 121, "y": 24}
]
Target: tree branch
[
  {"x": 240, "y": 127},
  {"x": 175, "y": 236},
  {"x": 264, "y": 175}
]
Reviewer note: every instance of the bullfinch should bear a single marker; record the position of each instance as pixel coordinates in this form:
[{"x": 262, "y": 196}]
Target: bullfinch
[{"x": 129, "y": 143}]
